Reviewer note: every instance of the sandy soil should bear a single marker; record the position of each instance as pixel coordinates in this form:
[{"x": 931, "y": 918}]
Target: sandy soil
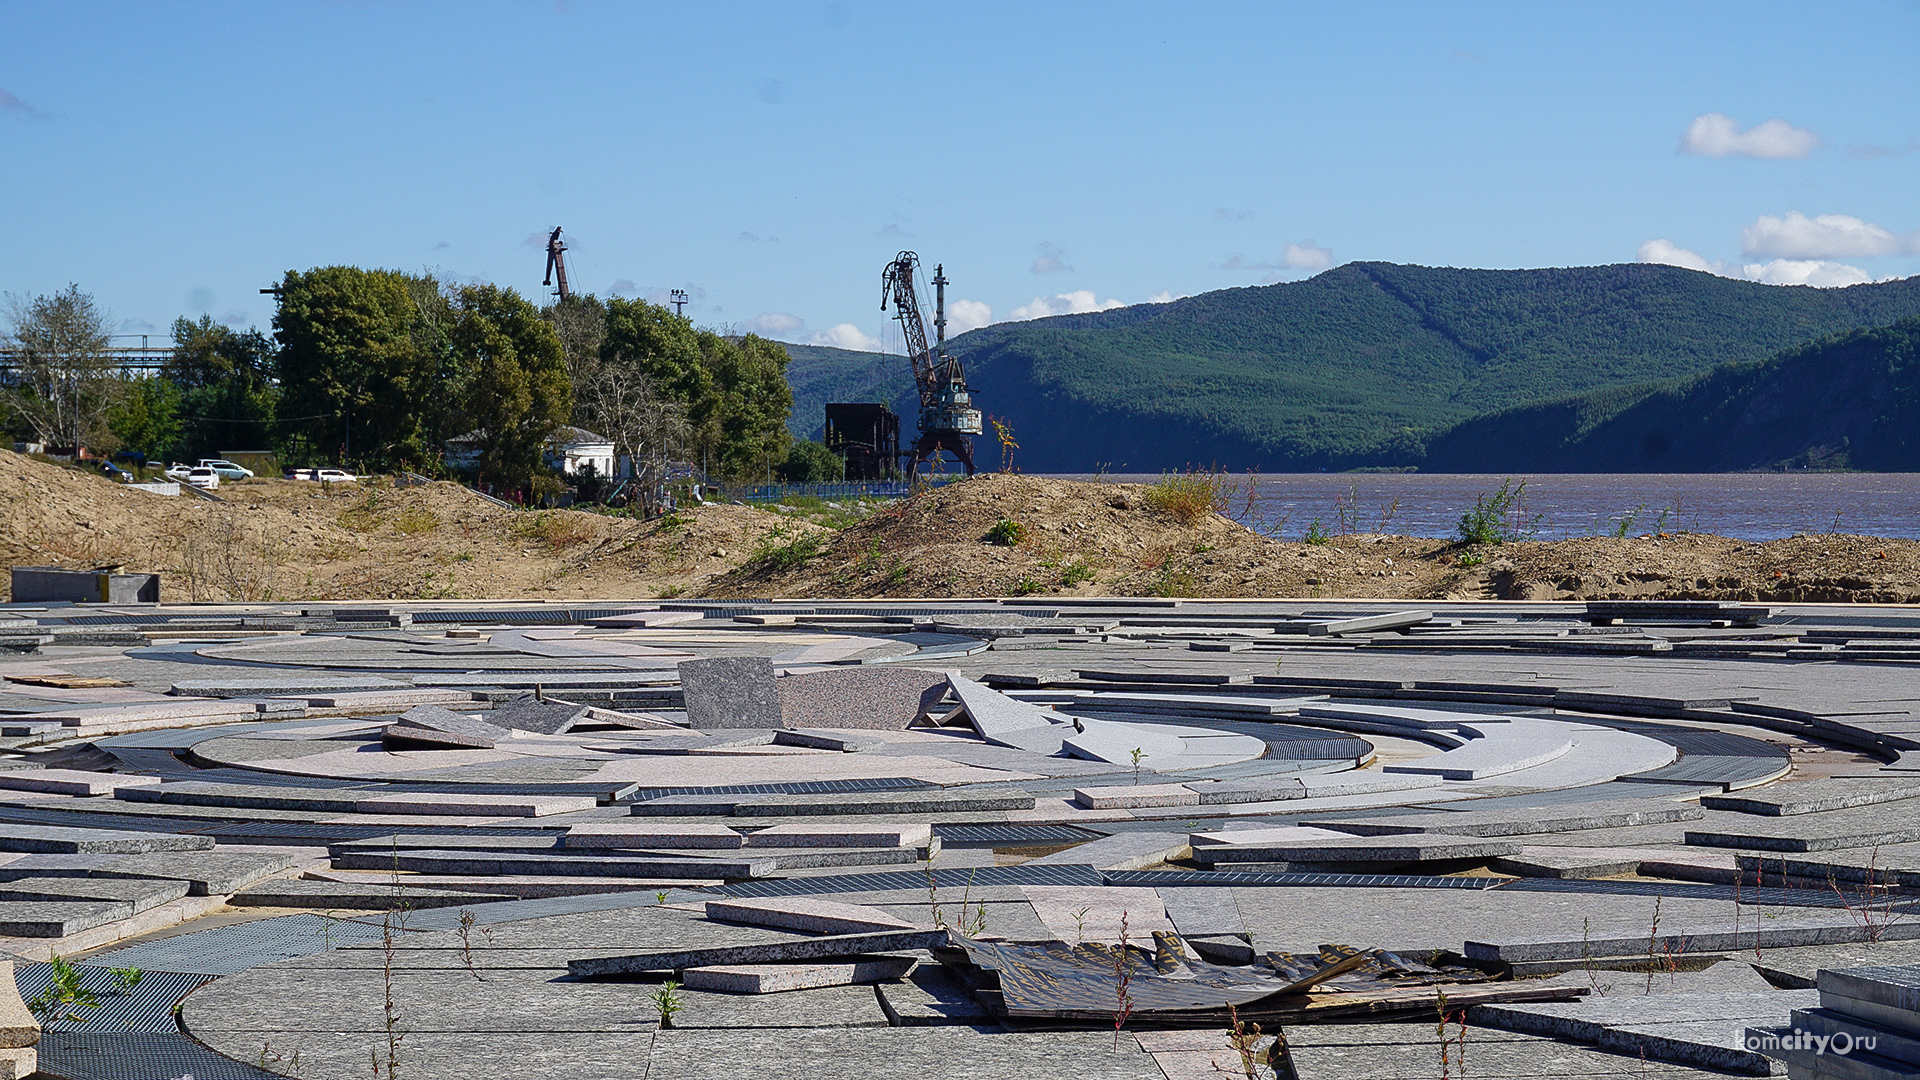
[
  {"x": 289, "y": 539},
  {"x": 293, "y": 540}
]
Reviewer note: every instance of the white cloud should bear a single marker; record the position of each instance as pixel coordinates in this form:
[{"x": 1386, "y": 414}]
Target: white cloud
[
  {"x": 965, "y": 315},
  {"x": 1797, "y": 236},
  {"x": 1306, "y": 255},
  {"x": 1052, "y": 260},
  {"x": 1718, "y": 135},
  {"x": 845, "y": 336},
  {"x": 774, "y": 324},
  {"x": 1669, "y": 253},
  {"x": 1164, "y": 296},
  {"x": 1818, "y": 273},
  {"x": 1078, "y": 302},
  {"x": 623, "y": 287}
]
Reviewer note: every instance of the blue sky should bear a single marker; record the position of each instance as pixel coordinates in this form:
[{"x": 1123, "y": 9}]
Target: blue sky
[{"x": 770, "y": 158}]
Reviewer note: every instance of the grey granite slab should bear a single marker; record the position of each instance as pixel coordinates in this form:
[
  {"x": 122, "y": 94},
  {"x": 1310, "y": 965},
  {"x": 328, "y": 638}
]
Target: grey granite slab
[
  {"x": 60, "y": 840},
  {"x": 775, "y": 953},
  {"x": 1772, "y": 932},
  {"x": 58, "y": 918},
  {"x": 888, "y": 697},
  {"x": 1123, "y": 851},
  {"x": 296, "y": 893},
  {"x": 451, "y": 861},
  {"x": 1815, "y": 796},
  {"x": 946, "y": 1052},
  {"x": 731, "y": 692},
  {"x": 206, "y": 873},
  {"x": 139, "y": 894},
  {"x": 1497, "y": 1060},
  {"x": 1386, "y": 849},
  {"x": 1892, "y": 1043},
  {"x": 1828, "y": 831},
  {"x": 868, "y": 802},
  {"x": 929, "y": 995},
  {"x": 529, "y": 713},
  {"x": 1799, "y": 967},
  {"x": 1890, "y": 986},
  {"x": 1602, "y": 814},
  {"x": 435, "y": 725},
  {"x": 1203, "y": 912},
  {"x": 1397, "y": 620}
]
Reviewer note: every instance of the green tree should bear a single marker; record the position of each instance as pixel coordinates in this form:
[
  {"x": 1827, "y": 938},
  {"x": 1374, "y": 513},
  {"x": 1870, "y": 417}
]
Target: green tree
[
  {"x": 663, "y": 346},
  {"x": 228, "y": 397},
  {"x": 363, "y": 367},
  {"x": 812, "y": 463},
  {"x": 65, "y": 380},
  {"x": 741, "y": 423},
  {"x": 146, "y": 418},
  {"x": 513, "y": 388}
]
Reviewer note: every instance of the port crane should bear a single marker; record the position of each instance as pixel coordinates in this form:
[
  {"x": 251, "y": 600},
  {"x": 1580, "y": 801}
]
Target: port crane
[
  {"x": 557, "y": 264},
  {"x": 947, "y": 415}
]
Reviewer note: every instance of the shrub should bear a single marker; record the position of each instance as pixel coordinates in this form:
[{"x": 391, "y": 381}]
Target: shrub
[
  {"x": 1190, "y": 496},
  {"x": 1317, "y": 533},
  {"x": 1006, "y": 533},
  {"x": 1497, "y": 518},
  {"x": 789, "y": 555}
]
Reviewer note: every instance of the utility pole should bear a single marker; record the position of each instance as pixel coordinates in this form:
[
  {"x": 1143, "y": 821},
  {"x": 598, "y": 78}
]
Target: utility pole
[
  {"x": 679, "y": 302},
  {"x": 939, "y": 310}
]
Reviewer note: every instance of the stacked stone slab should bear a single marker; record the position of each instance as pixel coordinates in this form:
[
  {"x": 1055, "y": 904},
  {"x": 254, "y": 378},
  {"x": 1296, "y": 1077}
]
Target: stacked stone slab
[
  {"x": 19, "y": 1031},
  {"x": 1866, "y": 1028}
]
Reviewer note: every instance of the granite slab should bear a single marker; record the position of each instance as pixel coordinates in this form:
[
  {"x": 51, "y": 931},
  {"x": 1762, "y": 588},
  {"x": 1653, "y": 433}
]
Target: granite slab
[{"x": 731, "y": 692}]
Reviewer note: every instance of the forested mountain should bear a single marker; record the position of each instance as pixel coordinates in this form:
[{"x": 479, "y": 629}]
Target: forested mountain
[
  {"x": 1851, "y": 400},
  {"x": 1365, "y": 364}
]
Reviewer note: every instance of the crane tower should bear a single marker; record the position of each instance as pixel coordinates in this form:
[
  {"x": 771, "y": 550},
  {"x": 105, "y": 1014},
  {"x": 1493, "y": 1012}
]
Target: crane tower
[
  {"x": 557, "y": 263},
  {"x": 947, "y": 415}
]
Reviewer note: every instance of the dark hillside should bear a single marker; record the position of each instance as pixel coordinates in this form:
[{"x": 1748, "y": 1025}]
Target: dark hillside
[
  {"x": 1851, "y": 400},
  {"x": 1361, "y": 365}
]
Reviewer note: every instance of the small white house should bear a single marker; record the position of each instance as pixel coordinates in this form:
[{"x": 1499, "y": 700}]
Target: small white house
[{"x": 570, "y": 450}]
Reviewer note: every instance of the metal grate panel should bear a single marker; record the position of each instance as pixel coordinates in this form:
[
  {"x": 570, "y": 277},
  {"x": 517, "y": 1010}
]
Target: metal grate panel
[
  {"x": 1158, "y": 878},
  {"x": 957, "y": 835},
  {"x": 1761, "y": 897},
  {"x": 955, "y": 878},
  {"x": 90, "y": 1056},
  {"x": 147, "y": 1007},
  {"x": 225, "y": 950}
]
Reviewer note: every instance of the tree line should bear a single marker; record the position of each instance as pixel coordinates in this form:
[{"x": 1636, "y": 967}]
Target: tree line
[{"x": 380, "y": 369}]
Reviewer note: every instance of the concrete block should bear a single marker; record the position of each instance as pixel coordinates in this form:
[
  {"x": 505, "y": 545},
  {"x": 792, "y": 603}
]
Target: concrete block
[
  {"x": 775, "y": 978},
  {"x": 34, "y": 584}
]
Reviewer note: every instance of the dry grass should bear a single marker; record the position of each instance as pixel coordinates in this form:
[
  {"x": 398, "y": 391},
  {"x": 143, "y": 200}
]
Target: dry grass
[{"x": 1190, "y": 496}]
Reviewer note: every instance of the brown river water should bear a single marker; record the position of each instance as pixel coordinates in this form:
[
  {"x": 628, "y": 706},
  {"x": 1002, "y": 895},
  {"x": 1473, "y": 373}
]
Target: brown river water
[{"x": 1747, "y": 506}]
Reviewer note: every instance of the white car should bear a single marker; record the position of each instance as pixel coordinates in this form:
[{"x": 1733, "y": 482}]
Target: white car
[
  {"x": 227, "y": 469},
  {"x": 203, "y": 478},
  {"x": 178, "y": 473},
  {"x": 335, "y": 476}
]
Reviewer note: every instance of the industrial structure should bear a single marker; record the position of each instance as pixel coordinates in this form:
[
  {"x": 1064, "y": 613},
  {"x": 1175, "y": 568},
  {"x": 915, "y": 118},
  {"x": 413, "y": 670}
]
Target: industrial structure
[
  {"x": 557, "y": 264},
  {"x": 865, "y": 435},
  {"x": 947, "y": 415}
]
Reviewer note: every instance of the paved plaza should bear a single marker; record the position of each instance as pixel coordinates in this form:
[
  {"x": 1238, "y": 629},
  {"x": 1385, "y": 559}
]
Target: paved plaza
[{"x": 930, "y": 839}]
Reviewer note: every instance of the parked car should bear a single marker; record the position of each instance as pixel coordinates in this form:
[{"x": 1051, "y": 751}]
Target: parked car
[
  {"x": 227, "y": 469},
  {"x": 335, "y": 476},
  {"x": 178, "y": 472},
  {"x": 114, "y": 472},
  {"x": 202, "y": 477}
]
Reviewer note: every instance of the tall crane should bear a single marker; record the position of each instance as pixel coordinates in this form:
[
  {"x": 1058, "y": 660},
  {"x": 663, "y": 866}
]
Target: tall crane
[
  {"x": 947, "y": 415},
  {"x": 557, "y": 264}
]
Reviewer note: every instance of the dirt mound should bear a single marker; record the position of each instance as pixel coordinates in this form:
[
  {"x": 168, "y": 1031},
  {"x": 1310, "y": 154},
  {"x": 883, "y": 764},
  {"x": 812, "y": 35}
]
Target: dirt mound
[
  {"x": 1003, "y": 534},
  {"x": 297, "y": 540},
  {"x": 1078, "y": 538}
]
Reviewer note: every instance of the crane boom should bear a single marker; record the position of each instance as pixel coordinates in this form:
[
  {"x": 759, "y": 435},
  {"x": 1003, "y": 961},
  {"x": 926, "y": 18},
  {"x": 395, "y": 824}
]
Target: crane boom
[
  {"x": 557, "y": 263},
  {"x": 947, "y": 415}
]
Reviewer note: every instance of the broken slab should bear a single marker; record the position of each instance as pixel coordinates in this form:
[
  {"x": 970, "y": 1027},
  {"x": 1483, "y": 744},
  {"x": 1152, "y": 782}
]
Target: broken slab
[
  {"x": 1397, "y": 620},
  {"x": 731, "y": 692},
  {"x": 542, "y": 717},
  {"x": 776, "y": 978},
  {"x": 768, "y": 953},
  {"x": 436, "y": 727},
  {"x": 994, "y": 714}
]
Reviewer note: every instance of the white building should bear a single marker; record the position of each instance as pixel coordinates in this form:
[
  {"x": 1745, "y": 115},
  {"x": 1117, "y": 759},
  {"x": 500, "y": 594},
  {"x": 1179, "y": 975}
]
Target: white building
[{"x": 570, "y": 451}]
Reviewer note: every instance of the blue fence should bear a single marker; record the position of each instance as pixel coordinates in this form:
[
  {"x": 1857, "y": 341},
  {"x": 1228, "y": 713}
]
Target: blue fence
[{"x": 891, "y": 489}]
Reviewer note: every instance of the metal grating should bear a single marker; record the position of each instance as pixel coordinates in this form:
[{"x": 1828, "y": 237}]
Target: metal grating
[
  {"x": 225, "y": 950},
  {"x": 798, "y": 787},
  {"x": 1754, "y": 895},
  {"x": 955, "y": 878},
  {"x": 1158, "y": 878},
  {"x": 146, "y": 1007},
  {"x": 90, "y": 1056},
  {"x": 957, "y": 835}
]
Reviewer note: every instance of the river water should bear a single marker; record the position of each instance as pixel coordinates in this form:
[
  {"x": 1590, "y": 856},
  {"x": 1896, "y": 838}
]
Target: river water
[{"x": 1747, "y": 506}]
